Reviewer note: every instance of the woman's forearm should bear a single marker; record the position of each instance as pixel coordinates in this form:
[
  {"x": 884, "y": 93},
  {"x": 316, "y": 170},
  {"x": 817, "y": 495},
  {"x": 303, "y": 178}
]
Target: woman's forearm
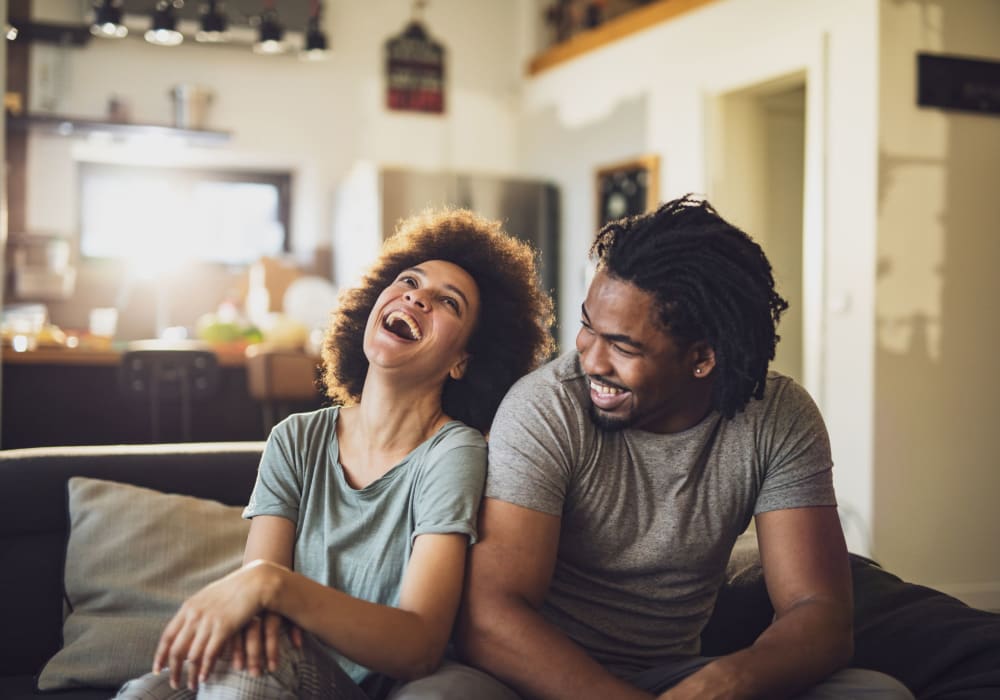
[{"x": 396, "y": 642}]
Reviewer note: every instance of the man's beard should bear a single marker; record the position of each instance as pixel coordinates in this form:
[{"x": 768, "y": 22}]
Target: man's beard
[{"x": 609, "y": 424}]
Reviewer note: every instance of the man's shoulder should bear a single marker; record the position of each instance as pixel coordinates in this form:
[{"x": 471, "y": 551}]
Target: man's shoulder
[
  {"x": 559, "y": 381},
  {"x": 562, "y": 369},
  {"x": 786, "y": 408},
  {"x": 555, "y": 392},
  {"x": 781, "y": 393}
]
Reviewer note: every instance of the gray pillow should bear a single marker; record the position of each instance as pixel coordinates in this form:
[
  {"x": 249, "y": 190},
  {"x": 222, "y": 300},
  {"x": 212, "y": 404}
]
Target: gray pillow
[{"x": 133, "y": 556}]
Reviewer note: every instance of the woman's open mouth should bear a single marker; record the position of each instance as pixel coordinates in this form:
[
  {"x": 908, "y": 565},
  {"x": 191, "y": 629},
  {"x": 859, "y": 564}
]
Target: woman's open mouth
[{"x": 402, "y": 325}]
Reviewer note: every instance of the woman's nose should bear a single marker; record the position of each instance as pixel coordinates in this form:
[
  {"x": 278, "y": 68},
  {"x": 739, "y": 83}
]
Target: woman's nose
[{"x": 417, "y": 297}]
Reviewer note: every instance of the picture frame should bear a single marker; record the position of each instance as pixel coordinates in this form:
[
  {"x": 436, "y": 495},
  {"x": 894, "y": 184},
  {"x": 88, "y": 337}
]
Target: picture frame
[{"x": 627, "y": 188}]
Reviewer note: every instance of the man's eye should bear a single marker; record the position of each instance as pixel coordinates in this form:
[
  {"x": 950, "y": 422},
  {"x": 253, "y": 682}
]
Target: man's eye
[
  {"x": 586, "y": 326},
  {"x": 452, "y": 303},
  {"x": 623, "y": 351}
]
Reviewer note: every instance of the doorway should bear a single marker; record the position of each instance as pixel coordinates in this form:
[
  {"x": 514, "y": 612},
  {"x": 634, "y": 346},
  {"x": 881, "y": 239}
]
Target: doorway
[{"x": 757, "y": 155}]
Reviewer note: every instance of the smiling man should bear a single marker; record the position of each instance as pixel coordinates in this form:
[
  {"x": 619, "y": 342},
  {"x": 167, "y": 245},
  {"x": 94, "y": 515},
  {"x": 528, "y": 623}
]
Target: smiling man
[{"x": 621, "y": 474}]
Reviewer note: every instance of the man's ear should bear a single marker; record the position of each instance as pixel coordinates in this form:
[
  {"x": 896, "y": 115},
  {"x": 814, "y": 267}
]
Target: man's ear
[
  {"x": 458, "y": 369},
  {"x": 702, "y": 358}
]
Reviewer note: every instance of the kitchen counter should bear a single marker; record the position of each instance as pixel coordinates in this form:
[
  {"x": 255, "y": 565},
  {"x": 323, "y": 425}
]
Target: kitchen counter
[
  {"x": 104, "y": 358},
  {"x": 61, "y": 396}
]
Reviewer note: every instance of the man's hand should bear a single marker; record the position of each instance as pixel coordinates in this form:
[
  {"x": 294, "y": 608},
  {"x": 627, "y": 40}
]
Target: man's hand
[{"x": 255, "y": 647}]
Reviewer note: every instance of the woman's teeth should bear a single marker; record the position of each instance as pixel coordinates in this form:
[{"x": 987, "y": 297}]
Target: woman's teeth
[{"x": 398, "y": 322}]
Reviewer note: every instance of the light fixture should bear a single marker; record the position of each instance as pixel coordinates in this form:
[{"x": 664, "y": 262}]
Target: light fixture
[
  {"x": 270, "y": 35},
  {"x": 213, "y": 22},
  {"x": 108, "y": 20},
  {"x": 315, "y": 47},
  {"x": 164, "y": 30}
]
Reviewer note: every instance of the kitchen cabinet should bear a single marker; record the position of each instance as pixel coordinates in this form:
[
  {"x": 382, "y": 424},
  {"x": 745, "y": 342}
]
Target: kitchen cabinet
[{"x": 67, "y": 397}]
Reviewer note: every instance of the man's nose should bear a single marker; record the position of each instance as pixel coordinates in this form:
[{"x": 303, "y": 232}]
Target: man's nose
[{"x": 594, "y": 358}]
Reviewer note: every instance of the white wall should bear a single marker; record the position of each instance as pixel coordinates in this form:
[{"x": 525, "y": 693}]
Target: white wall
[
  {"x": 937, "y": 475},
  {"x": 662, "y": 81},
  {"x": 314, "y": 118}
]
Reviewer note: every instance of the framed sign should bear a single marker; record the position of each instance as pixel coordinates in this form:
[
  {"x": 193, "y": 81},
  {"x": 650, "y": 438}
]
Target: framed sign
[
  {"x": 958, "y": 83},
  {"x": 414, "y": 71},
  {"x": 627, "y": 188}
]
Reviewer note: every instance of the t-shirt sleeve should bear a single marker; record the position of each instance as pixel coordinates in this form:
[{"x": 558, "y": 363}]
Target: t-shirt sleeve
[
  {"x": 531, "y": 446},
  {"x": 278, "y": 490},
  {"x": 451, "y": 485},
  {"x": 796, "y": 453}
]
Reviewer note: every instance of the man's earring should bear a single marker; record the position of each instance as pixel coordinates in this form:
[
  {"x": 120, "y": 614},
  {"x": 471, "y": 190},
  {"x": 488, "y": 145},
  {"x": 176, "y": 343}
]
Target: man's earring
[{"x": 697, "y": 370}]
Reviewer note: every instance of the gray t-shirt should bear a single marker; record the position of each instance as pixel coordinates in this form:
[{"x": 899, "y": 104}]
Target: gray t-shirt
[
  {"x": 648, "y": 520},
  {"x": 359, "y": 540}
]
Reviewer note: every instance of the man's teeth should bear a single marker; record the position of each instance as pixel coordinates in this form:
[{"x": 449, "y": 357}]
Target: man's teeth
[
  {"x": 603, "y": 389},
  {"x": 410, "y": 323}
]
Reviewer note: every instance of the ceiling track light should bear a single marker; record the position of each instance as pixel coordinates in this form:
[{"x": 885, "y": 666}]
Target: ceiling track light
[
  {"x": 164, "y": 30},
  {"x": 270, "y": 32},
  {"x": 214, "y": 23},
  {"x": 108, "y": 20},
  {"x": 315, "y": 48}
]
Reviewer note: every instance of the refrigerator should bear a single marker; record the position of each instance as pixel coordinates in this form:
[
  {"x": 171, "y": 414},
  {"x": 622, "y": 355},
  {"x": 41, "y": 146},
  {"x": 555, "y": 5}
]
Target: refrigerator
[{"x": 372, "y": 199}]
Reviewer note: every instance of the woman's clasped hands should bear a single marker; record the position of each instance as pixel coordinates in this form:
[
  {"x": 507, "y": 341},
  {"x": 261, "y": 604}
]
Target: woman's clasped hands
[{"x": 226, "y": 619}]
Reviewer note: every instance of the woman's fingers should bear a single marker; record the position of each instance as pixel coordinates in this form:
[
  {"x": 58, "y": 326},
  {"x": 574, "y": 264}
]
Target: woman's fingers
[
  {"x": 213, "y": 647},
  {"x": 255, "y": 646},
  {"x": 236, "y": 643},
  {"x": 272, "y": 633}
]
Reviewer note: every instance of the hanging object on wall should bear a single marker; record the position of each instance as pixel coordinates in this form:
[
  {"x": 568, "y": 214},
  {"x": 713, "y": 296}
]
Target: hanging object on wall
[
  {"x": 627, "y": 189},
  {"x": 958, "y": 83},
  {"x": 415, "y": 68}
]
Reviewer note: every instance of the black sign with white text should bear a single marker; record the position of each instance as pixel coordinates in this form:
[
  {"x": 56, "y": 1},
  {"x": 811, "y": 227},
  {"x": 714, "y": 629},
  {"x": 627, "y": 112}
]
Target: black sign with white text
[{"x": 949, "y": 82}]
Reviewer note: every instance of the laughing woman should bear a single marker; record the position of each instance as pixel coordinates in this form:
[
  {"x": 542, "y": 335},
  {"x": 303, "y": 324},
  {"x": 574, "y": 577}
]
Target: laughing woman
[{"x": 362, "y": 512}]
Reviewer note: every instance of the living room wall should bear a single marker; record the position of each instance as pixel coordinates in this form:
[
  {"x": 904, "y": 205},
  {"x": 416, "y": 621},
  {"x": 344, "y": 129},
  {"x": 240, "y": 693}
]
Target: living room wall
[
  {"x": 653, "y": 89},
  {"x": 936, "y": 466},
  {"x": 312, "y": 119}
]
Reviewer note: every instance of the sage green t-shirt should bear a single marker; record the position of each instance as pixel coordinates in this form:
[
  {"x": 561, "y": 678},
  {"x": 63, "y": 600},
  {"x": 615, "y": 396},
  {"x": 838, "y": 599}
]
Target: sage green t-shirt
[{"x": 359, "y": 540}]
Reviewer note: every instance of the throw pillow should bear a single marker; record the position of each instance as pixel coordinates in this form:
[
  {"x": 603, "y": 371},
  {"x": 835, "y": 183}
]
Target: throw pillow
[{"x": 133, "y": 556}]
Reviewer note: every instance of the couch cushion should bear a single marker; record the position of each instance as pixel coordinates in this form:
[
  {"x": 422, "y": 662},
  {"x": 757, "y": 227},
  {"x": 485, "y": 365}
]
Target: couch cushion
[
  {"x": 133, "y": 556},
  {"x": 935, "y": 644},
  {"x": 34, "y": 522}
]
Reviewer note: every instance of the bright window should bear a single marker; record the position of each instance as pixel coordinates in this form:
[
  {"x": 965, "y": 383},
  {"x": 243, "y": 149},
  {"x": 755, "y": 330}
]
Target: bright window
[{"x": 229, "y": 217}]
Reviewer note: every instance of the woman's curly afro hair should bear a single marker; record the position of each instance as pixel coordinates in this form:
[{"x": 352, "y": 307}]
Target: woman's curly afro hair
[{"x": 511, "y": 335}]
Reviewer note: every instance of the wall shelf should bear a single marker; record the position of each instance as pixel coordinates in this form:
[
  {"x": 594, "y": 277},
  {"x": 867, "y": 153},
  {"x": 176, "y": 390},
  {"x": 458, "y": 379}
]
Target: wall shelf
[
  {"x": 629, "y": 23},
  {"x": 62, "y": 125}
]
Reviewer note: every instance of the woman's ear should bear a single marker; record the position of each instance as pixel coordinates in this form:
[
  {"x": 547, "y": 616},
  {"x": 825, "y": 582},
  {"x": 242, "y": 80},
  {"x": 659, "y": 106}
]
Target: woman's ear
[
  {"x": 458, "y": 369},
  {"x": 703, "y": 359}
]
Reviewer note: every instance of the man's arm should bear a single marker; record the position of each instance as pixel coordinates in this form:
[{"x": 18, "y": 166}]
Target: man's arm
[
  {"x": 809, "y": 582},
  {"x": 500, "y": 629}
]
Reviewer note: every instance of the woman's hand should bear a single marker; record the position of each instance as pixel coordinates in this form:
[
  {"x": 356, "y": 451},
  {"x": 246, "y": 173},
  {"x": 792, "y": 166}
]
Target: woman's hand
[
  {"x": 207, "y": 621},
  {"x": 255, "y": 648}
]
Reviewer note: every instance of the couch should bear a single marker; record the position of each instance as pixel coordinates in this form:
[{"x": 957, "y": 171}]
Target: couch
[{"x": 939, "y": 647}]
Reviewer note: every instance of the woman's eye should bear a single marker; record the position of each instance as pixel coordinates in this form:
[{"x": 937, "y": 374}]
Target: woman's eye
[
  {"x": 408, "y": 281},
  {"x": 452, "y": 303}
]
